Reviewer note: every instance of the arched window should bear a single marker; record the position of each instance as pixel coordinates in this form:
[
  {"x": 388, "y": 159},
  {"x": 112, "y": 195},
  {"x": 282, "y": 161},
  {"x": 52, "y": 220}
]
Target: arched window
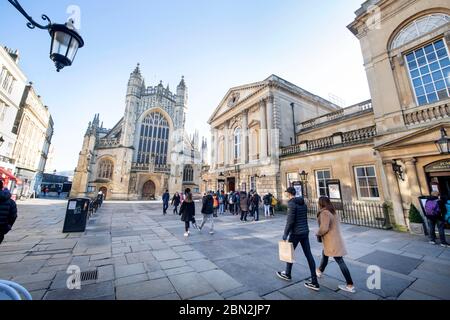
[
  {"x": 105, "y": 169},
  {"x": 188, "y": 174},
  {"x": 154, "y": 140},
  {"x": 237, "y": 143},
  {"x": 419, "y": 27}
]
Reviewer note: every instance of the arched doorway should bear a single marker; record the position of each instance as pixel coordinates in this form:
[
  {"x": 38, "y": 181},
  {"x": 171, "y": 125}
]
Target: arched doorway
[
  {"x": 104, "y": 190},
  {"x": 148, "y": 190}
]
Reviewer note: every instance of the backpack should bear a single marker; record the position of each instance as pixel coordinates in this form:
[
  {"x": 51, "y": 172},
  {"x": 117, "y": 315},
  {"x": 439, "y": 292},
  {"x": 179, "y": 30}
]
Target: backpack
[
  {"x": 221, "y": 199},
  {"x": 274, "y": 202},
  {"x": 432, "y": 209}
]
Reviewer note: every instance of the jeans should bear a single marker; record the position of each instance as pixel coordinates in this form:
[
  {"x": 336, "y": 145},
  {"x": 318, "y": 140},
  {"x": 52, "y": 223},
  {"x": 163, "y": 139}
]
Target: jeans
[
  {"x": 304, "y": 241},
  {"x": 441, "y": 227},
  {"x": 207, "y": 217},
  {"x": 165, "y": 206},
  {"x": 186, "y": 225},
  {"x": 244, "y": 215},
  {"x": 175, "y": 210},
  {"x": 267, "y": 210},
  {"x": 341, "y": 263},
  {"x": 222, "y": 208}
]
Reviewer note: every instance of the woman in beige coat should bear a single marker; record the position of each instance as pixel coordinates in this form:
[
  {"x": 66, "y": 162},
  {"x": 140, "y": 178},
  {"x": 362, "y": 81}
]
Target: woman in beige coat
[{"x": 333, "y": 243}]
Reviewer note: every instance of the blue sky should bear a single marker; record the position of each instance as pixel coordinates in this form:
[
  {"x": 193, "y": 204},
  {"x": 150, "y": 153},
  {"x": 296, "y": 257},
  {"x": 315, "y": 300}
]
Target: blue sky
[{"x": 215, "y": 44}]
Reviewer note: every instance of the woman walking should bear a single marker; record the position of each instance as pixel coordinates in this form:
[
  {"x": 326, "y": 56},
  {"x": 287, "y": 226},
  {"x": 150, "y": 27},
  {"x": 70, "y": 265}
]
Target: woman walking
[
  {"x": 244, "y": 204},
  {"x": 333, "y": 244},
  {"x": 176, "y": 200},
  {"x": 187, "y": 212}
]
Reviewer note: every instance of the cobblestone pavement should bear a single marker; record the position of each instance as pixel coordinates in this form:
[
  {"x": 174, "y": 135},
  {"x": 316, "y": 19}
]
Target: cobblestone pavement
[{"x": 140, "y": 254}]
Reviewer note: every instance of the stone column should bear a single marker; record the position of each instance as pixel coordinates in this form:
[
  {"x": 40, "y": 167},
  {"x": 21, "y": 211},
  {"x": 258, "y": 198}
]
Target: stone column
[
  {"x": 263, "y": 131},
  {"x": 215, "y": 147},
  {"x": 395, "y": 195},
  {"x": 226, "y": 144},
  {"x": 413, "y": 181},
  {"x": 270, "y": 126},
  {"x": 244, "y": 137}
]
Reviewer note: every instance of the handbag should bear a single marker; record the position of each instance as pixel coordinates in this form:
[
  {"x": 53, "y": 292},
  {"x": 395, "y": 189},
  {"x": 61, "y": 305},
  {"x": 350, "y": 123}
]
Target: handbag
[
  {"x": 286, "y": 251},
  {"x": 319, "y": 239}
]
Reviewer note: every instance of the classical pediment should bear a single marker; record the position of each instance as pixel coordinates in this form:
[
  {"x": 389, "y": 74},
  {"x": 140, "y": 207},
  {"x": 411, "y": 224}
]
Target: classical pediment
[
  {"x": 419, "y": 137},
  {"x": 235, "y": 97}
]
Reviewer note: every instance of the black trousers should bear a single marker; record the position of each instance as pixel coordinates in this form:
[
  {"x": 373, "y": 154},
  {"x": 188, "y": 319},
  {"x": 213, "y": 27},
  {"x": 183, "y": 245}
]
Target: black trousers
[
  {"x": 341, "y": 263},
  {"x": 165, "y": 206},
  {"x": 304, "y": 241},
  {"x": 244, "y": 215},
  {"x": 2, "y": 236},
  {"x": 175, "y": 210},
  {"x": 441, "y": 227}
]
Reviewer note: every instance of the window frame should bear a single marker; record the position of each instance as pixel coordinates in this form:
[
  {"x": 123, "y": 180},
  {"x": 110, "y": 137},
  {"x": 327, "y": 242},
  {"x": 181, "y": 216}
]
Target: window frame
[
  {"x": 317, "y": 181},
  {"x": 237, "y": 143},
  {"x": 408, "y": 69},
  {"x": 357, "y": 185}
]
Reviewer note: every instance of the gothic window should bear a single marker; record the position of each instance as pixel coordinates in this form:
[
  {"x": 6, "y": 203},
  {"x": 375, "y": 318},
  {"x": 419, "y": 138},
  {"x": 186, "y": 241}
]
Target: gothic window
[
  {"x": 154, "y": 140},
  {"x": 419, "y": 27},
  {"x": 105, "y": 169},
  {"x": 188, "y": 174},
  {"x": 237, "y": 143}
]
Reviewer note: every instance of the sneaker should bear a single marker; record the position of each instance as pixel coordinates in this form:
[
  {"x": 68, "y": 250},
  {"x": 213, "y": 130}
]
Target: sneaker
[
  {"x": 432, "y": 242},
  {"x": 312, "y": 286},
  {"x": 347, "y": 288},
  {"x": 445, "y": 245},
  {"x": 186, "y": 234},
  {"x": 211, "y": 232},
  {"x": 319, "y": 273},
  {"x": 284, "y": 276}
]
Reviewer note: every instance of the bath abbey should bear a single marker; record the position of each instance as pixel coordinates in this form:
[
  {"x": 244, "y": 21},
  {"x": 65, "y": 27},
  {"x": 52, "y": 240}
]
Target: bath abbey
[{"x": 146, "y": 152}]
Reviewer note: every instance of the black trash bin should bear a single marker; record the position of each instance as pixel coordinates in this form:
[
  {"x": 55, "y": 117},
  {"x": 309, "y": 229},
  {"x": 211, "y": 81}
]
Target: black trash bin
[{"x": 76, "y": 215}]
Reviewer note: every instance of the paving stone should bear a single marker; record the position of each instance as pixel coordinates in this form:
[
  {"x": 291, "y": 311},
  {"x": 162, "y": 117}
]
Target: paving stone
[
  {"x": 144, "y": 290},
  {"x": 105, "y": 273},
  {"x": 191, "y": 255},
  {"x": 190, "y": 285},
  {"x": 129, "y": 270},
  {"x": 438, "y": 290},
  {"x": 38, "y": 295},
  {"x": 249, "y": 295},
  {"x": 220, "y": 281},
  {"x": 11, "y": 258},
  {"x": 202, "y": 265},
  {"x": 300, "y": 292},
  {"x": 211, "y": 297},
  {"x": 410, "y": 294},
  {"x": 182, "y": 248},
  {"x": 132, "y": 279},
  {"x": 156, "y": 274},
  {"x": 137, "y": 257},
  {"x": 87, "y": 292},
  {"x": 170, "y": 264},
  {"x": 38, "y": 277},
  {"x": 180, "y": 270},
  {"x": 164, "y": 255},
  {"x": 390, "y": 261},
  {"x": 168, "y": 297},
  {"x": 274, "y": 296}
]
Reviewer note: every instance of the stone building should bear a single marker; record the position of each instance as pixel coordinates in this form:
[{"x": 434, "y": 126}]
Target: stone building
[
  {"x": 386, "y": 150},
  {"x": 34, "y": 129},
  {"x": 146, "y": 152},
  {"x": 12, "y": 84},
  {"x": 248, "y": 128}
]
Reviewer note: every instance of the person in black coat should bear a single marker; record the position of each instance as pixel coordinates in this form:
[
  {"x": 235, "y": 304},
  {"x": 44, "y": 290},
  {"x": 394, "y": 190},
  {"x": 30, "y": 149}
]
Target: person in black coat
[
  {"x": 208, "y": 211},
  {"x": 297, "y": 230},
  {"x": 187, "y": 212},
  {"x": 165, "y": 199},
  {"x": 176, "y": 200},
  {"x": 8, "y": 212}
]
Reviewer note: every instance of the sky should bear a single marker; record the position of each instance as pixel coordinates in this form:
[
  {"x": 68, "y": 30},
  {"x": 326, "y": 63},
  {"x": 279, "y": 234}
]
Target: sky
[{"x": 215, "y": 44}]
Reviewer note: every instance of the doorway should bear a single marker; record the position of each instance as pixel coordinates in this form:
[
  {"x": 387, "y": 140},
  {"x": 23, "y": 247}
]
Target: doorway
[
  {"x": 231, "y": 183},
  {"x": 104, "y": 190},
  {"x": 148, "y": 191}
]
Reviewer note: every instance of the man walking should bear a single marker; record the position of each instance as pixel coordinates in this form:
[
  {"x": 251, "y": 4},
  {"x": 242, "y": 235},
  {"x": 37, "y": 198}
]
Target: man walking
[
  {"x": 165, "y": 199},
  {"x": 207, "y": 211},
  {"x": 8, "y": 212},
  {"x": 297, "y": 230},
  {"x": 256, "y": 201},
  {"x": 267, "y": 199}
]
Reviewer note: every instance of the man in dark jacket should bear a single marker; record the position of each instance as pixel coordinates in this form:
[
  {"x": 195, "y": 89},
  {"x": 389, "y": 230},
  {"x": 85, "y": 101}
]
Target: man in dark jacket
[
  {"x": 207, "y": 211},
  {"x": 297, "y": 230},
  {"x": 438, "y": 219},
  {"x": 8, "y": 212},
  {"x": 165, "y": 199},
  {"x": 256, "y": 201}
]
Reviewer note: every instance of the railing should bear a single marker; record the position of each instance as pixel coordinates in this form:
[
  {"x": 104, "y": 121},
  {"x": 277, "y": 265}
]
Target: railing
[
  {"x": 108, "y": 143},
  {"x": 333, "y": 116},
  {"x": 372, "y": 215},
  {"x": 145, "y": 167},
  {"x": 338, "y": 140},
  {"x": 426, "y": 114},
  {"x": 7, "y": 160}
]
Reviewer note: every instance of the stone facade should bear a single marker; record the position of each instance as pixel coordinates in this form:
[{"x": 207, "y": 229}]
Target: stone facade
[
  {"x": 250, "y": 126},
  {"x": 146, "y": 152}
]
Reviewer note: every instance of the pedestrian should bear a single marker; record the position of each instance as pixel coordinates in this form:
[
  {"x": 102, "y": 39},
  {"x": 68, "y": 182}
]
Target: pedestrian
[
  {"x": 216, "y": 204},
  {"x": 237, "y": 202},
  {"x": 187, "y": 212},
  {"x": 165, "y": 199},
  {"x": 250, "y": 205},
  {"x": 225, "y": 201},
  {"x": 256, "y": 201},
  {"x": 244, "y": 203},
  {"x": 176, "y": 200},
  {"x": 208, "y": 211},
  {"x": 267, "y": 200},
  {"x": 333, "y": 244},
  {"x": 8, "y": 212},
  {"x": 297, "y": 230},
  {"x": 274, "y": 204},
  {"x": 231, "y": 202},
  {"x": 221, "y": 198},
  {"x": 435, "y": 212}
]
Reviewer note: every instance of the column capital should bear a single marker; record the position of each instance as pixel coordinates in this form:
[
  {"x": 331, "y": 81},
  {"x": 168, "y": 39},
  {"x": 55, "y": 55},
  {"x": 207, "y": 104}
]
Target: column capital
[
  {"x": 262, "y": 103},
  {"x": 270, "y": 98},
  {"x": 410, "y": 161},
  {"x": 388, "y": 163}
]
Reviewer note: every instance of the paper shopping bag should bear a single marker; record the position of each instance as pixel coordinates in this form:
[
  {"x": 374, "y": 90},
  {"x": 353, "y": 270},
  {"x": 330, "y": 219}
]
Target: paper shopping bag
[{"x": 286, "y": 250}]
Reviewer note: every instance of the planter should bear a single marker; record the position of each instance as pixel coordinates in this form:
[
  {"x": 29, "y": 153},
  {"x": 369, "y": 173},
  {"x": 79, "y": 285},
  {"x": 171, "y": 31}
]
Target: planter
[{"x": 416, "y": 228}]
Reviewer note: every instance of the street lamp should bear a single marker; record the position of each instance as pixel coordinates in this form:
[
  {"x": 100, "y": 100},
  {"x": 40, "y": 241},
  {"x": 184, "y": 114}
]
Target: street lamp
[
  {"x": 304, "y": 176},
  {"x": 65, "y": 40},
  {"x": 443, "y": 143},
  {"x": 398, "y": 170}
]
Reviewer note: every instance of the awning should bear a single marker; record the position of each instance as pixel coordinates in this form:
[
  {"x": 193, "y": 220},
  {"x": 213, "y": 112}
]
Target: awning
[{"x": 5, "y": 174}]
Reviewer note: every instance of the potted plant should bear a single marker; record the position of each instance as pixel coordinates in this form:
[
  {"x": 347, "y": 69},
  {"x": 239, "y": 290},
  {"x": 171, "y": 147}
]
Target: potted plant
[{"x": 415, "y": 221}]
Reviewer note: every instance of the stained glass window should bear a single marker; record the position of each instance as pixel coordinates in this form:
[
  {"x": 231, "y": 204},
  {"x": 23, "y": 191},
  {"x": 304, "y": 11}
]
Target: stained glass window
[{"x": 154, "y": 140}]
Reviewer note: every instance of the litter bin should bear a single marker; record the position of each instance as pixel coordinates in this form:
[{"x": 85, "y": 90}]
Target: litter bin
[{"x": 76, "y": 215}]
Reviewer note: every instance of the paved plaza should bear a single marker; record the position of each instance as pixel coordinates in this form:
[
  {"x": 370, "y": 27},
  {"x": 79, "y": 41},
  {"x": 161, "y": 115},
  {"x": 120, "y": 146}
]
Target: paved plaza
[{"x": 140, "y": 254}]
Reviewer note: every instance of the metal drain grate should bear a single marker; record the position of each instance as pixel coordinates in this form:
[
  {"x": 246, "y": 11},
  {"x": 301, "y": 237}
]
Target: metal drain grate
[{"x": 89, "y": 275}]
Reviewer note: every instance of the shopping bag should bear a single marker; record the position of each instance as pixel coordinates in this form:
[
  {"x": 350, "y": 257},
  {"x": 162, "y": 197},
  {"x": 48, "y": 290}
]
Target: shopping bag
[{"x": 286, "y": 250}]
